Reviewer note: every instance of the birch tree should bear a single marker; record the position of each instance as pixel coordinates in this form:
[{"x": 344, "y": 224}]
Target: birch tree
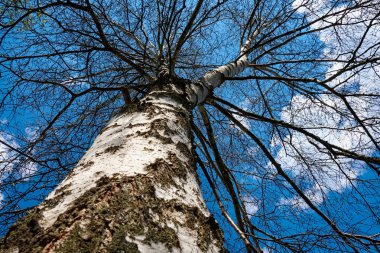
[{"x": 189, "y": 126}]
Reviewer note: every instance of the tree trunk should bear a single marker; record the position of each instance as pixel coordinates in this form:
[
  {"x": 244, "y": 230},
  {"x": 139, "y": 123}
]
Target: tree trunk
[{"x": 135, "y": 189}]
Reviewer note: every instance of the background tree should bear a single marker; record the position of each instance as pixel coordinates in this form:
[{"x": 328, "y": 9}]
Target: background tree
[{"x": 287, "y": 148}]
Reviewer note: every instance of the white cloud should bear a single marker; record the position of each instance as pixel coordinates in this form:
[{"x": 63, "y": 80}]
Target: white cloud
[
  {"x": 75, "y": 82},
  {"x": 251, "y": 205},
  {"x": 308, "y": 161},
  {"x": 5, "y": 155},
  {"x": 8, "y": 158},
  {"x": 6, "y": 152},
  {"x": 267, "y": 250},
  {"x": 31, "y": 133},
  {"x": 243, "y": 120}
]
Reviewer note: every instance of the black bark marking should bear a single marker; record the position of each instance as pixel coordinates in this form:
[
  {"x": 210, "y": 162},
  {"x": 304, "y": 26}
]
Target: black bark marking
[{"x": 112, "y": 149}]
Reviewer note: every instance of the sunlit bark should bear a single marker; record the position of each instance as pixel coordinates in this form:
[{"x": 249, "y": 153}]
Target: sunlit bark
[{"x": 135, "y": 190}]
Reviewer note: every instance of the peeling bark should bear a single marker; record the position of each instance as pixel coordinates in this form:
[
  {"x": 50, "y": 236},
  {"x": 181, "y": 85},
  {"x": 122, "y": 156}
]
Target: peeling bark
[{"x": 135, "y": 190}]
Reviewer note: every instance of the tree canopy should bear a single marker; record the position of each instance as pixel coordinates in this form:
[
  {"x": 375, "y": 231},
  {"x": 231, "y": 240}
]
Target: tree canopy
[{"x": 287, "y": 150}]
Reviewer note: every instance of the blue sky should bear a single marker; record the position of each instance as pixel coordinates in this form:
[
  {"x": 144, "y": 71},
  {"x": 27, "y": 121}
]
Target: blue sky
[{"x": 266, "y": 193}]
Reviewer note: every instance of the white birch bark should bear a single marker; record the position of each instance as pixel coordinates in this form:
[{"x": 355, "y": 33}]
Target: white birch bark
[
  {"x": 198, "y": 91},
  {"x": 135, "y": 190}
]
